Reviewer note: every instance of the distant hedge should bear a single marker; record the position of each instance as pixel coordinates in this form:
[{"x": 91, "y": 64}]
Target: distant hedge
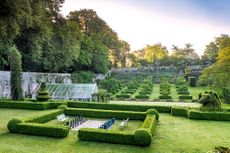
[
  {"x": 165, "y": 97},
  {"x": 30, "y": 105},
  {"x": 123, "y": 96},
  {"x": 126, "y": 107},
  {"x": 141, "y": 97},
  {"x": 185, "y": 97},
  {"x": 218, "y": 116}
]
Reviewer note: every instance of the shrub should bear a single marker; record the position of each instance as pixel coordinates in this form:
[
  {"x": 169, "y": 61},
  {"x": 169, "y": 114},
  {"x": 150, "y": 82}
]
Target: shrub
[
  {"x": 106, "y": 106},
  {"x": 185, "y": 97},
  {"x": 12, "y": 125},
  {"x": 105, "y": 113},
  {"x": 165, "y": 97},
  {"x": 62, "y": 107},
  {"x": 153, "y": 111},
  {"x": 142, "y": 137},
  {"x": 142, "y": 97},
  {"x": 179, "y": 111},
  {"x": 199, "y": 115},
  {"x": 43, "y": 93},
  {"x": 109, "y": 136},
  {"x": 42, "y": 130},
  {"x": 55, "y": 104}
]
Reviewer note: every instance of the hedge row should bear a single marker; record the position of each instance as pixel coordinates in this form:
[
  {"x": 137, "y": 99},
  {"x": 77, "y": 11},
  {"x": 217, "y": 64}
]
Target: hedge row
[
  {"x": 219, "y": 116},
  {"x": 44, "y": 117},
  {"x": 106, "y": 106},
  {"x": 150, "y": 123},
  {"x": 179, "y": 111},
  {"x": 105, "y": 113},
  {"x": 33, "y": 125},
  {"x": 41, "y": 130},
  {"x": 109, "y": 136},
  {"x": 30, "y": 105}
]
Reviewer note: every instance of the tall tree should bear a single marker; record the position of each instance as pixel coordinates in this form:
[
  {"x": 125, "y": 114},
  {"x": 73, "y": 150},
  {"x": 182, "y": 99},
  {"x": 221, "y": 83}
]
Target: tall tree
[
  {"x": 154, "y": 53},
  {"x": 16, "y": 74}
]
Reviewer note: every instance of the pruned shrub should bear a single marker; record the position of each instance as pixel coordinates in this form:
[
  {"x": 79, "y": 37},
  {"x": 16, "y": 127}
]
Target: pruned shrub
[
  {"x": 210, "y": 101},
  {"x": 143, "y": 137},
  {"x": 123, "y": 96},
  {"x": 165, "y": 97},
  {"x": 62, "y": 107},
  {"x": 153, "y": 111},
  {"x": 12, "y": 124},
  {"x": 43, "y": 93}
]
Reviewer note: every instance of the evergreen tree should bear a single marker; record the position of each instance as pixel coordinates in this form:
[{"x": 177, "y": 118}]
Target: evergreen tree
[{"x": 16, "y": 74}]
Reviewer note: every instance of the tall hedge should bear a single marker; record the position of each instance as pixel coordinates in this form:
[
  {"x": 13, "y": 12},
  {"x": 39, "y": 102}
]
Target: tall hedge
[{"x": 16, "y": 74}]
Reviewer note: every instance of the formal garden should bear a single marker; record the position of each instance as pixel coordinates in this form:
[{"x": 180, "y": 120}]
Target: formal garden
[{"x": 70, "y": 84}]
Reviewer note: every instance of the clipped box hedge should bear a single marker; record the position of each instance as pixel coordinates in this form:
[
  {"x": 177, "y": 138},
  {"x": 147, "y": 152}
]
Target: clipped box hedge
[
  {"x": 218, "y": 116},
  {"x": 33, "y": 126},
  {"x": 141, "y": 137},
  {"x": 105, "y": 113},
  {"x": 179, "y": 111},
  {"x": 30, "y": 105},
  {"x": 185, "y": 97},
  {"x": 44, "y": 117},
  {"x": 42, "y": 130},
  {"x": 126, "y": 107},
  {"x": 109, "y": 136},
  {"x": 145, "y": 92}
]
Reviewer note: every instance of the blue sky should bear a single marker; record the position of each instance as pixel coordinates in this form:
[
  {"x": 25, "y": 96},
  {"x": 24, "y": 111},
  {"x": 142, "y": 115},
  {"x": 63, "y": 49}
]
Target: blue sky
[{"x": 142, "y": 22}]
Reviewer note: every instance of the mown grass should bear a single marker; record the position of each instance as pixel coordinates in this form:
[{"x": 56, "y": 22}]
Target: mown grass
[{"x": 173, "y": 135}]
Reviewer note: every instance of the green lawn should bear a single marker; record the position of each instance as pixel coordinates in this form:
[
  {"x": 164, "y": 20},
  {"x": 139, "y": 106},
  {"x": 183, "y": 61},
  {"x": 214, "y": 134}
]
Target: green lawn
[{"x": 173, "y": 135}]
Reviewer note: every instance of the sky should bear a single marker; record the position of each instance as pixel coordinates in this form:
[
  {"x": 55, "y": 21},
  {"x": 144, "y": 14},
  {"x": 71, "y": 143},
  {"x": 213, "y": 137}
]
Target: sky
[{"x": 147, "y": 22}]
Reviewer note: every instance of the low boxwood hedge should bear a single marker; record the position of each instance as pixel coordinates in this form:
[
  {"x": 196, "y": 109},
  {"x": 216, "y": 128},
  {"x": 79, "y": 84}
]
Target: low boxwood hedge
[
  {"x": 150, "y": 123},
  {"x": 179, "y": 111},
  {"x": 44, "y": 117},
  {"x": 33, "y": 126},
  {"x": 109, "y": 136},
  {"x": 183, "y": 92},
  {"x": 199, "y": 115},
  {"x": 105, "y": 113},
  {"x": 185, "y": 97},
  {"x": 145, "y": 92},
  {"x": 42, "y": 130},
  {"x": 106, "y": 106}
]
